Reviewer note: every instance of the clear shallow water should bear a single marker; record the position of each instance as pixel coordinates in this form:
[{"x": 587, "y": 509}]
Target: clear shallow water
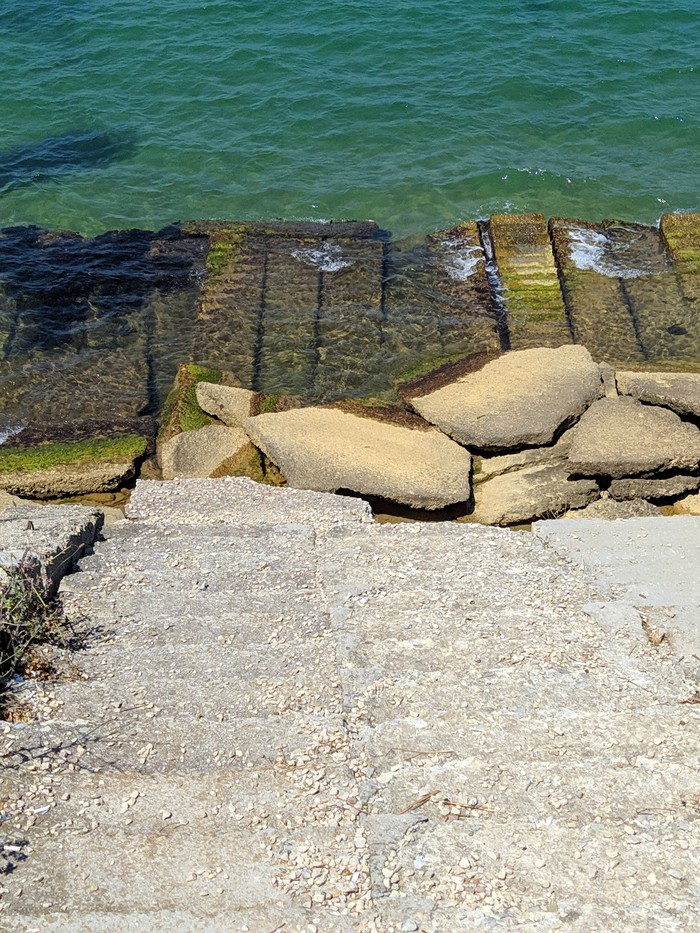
[{"x": 417, "y": 114}]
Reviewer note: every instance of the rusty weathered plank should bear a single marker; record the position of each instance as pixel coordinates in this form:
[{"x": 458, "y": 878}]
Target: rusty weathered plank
[
  {"x": 536, "y": 315},
  {"x": 598, "y": 308}
]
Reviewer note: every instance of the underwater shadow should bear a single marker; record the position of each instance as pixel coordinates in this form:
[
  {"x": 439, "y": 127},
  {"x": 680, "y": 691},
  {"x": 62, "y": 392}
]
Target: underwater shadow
[{"x": 55, "y": 156}]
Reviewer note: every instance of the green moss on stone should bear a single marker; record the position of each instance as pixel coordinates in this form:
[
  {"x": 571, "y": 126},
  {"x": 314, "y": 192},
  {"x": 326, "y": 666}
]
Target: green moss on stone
[
  {"x": 181, "y": 411},
  {"x": 424, "y": 367},
  {"x": 49, "y": 456},
  {"x": 224, "y": 244}
]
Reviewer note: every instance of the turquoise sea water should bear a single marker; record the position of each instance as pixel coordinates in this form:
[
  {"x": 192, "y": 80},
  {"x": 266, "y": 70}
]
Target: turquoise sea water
[{"x": 416, "y": 114}]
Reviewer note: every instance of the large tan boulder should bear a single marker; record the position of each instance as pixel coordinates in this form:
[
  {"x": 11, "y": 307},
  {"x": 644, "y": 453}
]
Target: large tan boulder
[
  {"x": 540, "y": 491},
  {"x": 200, "y": 453},
  {"x": 328, "y": 449},
  {"x": 520, "y": 399},
  {"x": 678, "y": 391},
  {"x": 621, "y": 437}
]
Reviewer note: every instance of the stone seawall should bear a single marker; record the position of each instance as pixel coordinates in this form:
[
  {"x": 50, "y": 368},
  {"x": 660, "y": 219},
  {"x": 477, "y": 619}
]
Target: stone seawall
[{"x": 93, "y": 331}]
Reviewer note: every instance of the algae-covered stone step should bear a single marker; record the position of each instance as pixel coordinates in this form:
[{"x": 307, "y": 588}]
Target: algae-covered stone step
[
  {"x": 349, "y": 332},
  {"x": 598, "y": 307},
  {"x": 228, "y": 322},
  {"x": 681, "y": 233},
  {"x": 667, "y": 324},
  {"x": 438, "y": 304},
  {"x": 536, "y": 315}
]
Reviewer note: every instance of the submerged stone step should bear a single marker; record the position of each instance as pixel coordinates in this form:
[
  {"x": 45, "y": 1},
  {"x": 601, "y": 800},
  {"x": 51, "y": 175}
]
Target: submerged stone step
[
  {"x": 681, "y": 234},
  {"x": 599, "y": 310},
  {"x": 350, "y": 339},
  {"x": 536, "y": 315},
  {"x": 668, "y": 329},
  {"x": 228, "y": 319},
  {"x": 438, "y": 303},
  {"x": 286, "y": 351}
]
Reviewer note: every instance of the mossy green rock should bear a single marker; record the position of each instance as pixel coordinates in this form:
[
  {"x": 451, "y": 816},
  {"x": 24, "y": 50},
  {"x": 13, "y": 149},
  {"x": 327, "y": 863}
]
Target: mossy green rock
[
  {"x": 181, "y": 411},
  {"x": 49, "y": 471}
]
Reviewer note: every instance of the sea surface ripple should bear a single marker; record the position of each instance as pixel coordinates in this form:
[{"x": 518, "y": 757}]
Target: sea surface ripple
[{"x": 416, "y": 114}]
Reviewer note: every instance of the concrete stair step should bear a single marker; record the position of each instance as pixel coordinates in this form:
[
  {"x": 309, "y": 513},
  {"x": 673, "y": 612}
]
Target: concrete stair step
[{"x": 240, "y": 501}]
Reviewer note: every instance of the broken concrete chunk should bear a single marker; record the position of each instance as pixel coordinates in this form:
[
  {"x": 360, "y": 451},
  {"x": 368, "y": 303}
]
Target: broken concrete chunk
[
  {"x": 487, "y": 467},
  {"x": 678, "y": 391},
  {"x": 328, "y": 449},
  {"x": 664, "y": 487},
  {"x": 199, "y": 453},
  {"x": 612, "y": 510},
  {"x": 621, "y": 437},
  {"x": 521, "y": 399},
  {"x": 229, "y": 404},
  {"x": 544, "y": 490}
]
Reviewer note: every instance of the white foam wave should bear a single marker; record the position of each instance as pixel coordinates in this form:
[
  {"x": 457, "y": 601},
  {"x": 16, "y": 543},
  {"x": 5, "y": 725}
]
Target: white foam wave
[
  {"x": 10, "y": 431},
  {"x": 328, "y": 257},
  {"x": 462, "y": 259},
  {"x": 591, "y": 251}
]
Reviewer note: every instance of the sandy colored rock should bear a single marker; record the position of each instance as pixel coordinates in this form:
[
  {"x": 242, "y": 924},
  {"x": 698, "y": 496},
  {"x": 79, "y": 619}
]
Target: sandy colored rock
[
  {"x": 328, "y": 449},
  {"x": 612, "y": 509},
  {"x": 486, "y": 468},
  {"x": 227, "y": 403},
  {"x": 678, "y": 391},
  {"x": 534, "y": 492},
  {"x": 521, "y": 399},
  {"x": 688, "y": 505},
  {"x": 198, "y": 453},
  {"x": 621, "y": 437},
  {"x": 663, "y": 487}
]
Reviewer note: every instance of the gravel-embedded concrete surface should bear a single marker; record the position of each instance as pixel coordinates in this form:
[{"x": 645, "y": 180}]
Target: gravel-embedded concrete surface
[{"x": 288, "y": 718}]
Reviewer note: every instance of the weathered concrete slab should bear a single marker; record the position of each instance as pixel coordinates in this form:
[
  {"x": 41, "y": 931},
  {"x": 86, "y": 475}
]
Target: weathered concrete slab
[
  {"x": 329, "y": 449},
  {"x": 532, "y": 294},
  {"x": 678, "y": 391},
  {"x": 621, "y": 438},
  {"x": 531, "y": 492},
  {"x": 424, "y": 725},
  {"x": 666, "y": 487},
  {"x": 522, "y": 398},
  {"x": 597, "y": 306},
  {"x": 229, "y": 404},
  {"x": 200, "y": 452},
  {"x": 239, "y": 501},
  {"x": 613, "y": 509},
  {"x": 649, "y": 563},
  {"x": 55, "y": 536}
]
